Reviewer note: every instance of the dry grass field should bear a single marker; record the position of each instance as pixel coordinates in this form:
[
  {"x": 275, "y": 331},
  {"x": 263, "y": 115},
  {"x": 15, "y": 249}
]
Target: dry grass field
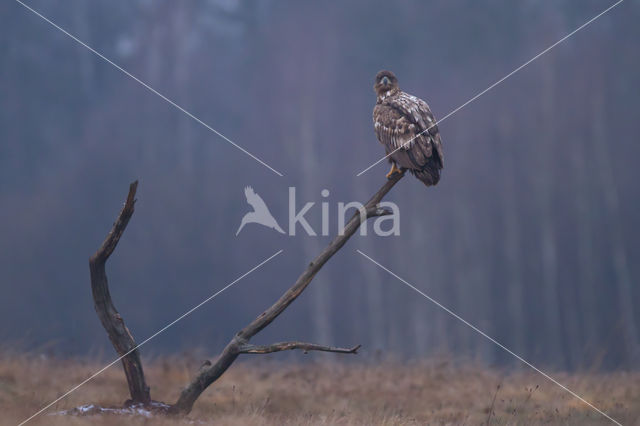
[{"x": 256, "y": 391}]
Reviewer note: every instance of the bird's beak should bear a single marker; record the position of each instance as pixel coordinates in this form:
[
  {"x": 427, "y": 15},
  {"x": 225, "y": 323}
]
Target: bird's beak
[{"x": 385, "y": 80}]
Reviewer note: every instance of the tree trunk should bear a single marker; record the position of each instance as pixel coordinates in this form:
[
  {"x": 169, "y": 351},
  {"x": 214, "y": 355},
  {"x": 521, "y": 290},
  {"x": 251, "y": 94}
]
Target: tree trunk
[
  {"x": 511, "y": 241},
  {"x": 550, "y": 314},
  {"x": 623, "y": 288},
  {"x": 111, "y": 320}
]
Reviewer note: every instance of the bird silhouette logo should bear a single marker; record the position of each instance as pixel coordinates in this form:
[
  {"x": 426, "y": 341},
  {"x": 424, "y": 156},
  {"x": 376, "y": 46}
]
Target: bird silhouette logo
[{"x": 260, "y": 213}]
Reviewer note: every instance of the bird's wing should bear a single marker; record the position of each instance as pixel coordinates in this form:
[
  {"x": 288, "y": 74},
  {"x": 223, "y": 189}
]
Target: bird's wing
[
  {"x": 420, "y": 114},
  {"x": 254, "y": 199},
  {"x": 415, "y": 129},
  {"x": 392, "y": 128}
]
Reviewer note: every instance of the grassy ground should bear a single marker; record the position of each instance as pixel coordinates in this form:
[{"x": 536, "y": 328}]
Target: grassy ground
[{"x": 258, "y": 392}]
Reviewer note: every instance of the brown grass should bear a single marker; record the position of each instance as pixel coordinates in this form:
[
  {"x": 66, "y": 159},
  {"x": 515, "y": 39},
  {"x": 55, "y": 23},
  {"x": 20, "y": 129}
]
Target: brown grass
[{"x": 258, "y": 392}]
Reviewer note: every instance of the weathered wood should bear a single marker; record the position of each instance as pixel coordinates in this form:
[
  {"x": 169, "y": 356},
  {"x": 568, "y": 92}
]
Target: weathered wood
[
  {"x": 209, "y": 374},
  {"x": 111, "y": 320},
  {"x": 287, "y": 346}
]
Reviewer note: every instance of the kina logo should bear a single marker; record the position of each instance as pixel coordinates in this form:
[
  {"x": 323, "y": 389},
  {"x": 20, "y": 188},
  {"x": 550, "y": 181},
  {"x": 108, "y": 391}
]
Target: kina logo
[
  {"x": 297, "y": 216},
  {"x": 260, "y": 214}
]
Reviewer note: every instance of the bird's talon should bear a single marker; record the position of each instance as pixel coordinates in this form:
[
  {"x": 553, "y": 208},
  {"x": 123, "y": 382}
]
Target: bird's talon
[{"x": 393, "y": 171}]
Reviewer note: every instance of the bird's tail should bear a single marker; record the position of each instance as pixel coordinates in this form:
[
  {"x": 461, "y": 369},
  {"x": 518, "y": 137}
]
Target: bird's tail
[{"x": 429, "y": 174}]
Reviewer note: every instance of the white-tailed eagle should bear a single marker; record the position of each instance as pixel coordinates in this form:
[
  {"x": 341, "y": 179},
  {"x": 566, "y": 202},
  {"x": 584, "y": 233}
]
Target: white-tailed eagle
[{"x": 406, "y": 127}]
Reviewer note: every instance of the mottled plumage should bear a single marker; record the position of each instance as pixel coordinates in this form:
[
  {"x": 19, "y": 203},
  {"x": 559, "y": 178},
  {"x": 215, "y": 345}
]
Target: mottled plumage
[{"x": 406, "y": 127}]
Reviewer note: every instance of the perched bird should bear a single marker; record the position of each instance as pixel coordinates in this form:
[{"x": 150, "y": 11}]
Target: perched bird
[
  {"x": 406, "y": 127},
  {"x": 260, "y": 213}
]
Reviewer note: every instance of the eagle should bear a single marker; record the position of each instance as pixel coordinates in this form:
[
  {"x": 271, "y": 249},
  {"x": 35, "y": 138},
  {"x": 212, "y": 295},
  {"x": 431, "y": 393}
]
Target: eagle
[{"x": 406, "y": 127}]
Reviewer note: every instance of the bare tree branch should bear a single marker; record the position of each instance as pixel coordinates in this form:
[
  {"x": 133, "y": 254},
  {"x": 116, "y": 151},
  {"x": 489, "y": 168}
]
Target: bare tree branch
[
  {"x": 111, "y": 320},
  {"x": 377, "y": 211},
  {"x": 124, "y": 343},
  {"x": 286, "y": 346},
  {"x": 209, "y": 374}
]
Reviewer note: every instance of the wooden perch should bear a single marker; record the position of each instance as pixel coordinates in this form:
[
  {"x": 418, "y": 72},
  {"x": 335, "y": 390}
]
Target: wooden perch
[
  {"x": 286, "y": 346},
  {"x": 126, "y": 347},
  {"x": 111, "y": 320},
  {"x": 239, "y": 343}
]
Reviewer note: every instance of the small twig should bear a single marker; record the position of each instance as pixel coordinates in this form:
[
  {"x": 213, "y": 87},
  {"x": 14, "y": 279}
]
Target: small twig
[
  {"x": 493, "y": 402},
  {"x": 286, "y": 346}
]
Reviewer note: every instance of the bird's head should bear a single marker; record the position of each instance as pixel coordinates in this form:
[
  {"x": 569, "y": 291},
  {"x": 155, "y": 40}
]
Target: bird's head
[{"x": 385, "y": 81}]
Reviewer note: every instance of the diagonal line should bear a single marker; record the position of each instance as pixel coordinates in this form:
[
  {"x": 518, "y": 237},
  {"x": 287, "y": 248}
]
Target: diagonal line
[
  {"x": 482, "y": 333},
  {"x": 190, "y": 311},
  {"x": 146, "y": 86},
  {"x": 495, "y": 84}
]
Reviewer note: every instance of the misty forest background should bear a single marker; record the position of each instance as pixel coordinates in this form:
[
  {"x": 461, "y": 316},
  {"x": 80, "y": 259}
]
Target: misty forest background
[{"x": 532, "y": 234}]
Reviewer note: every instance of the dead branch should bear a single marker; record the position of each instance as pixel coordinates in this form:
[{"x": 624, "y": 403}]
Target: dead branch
[
  {"x": 286, "y": 346},
  {"x": 126, "y": 347},
  {"x": 111, "y": 320},
  {"x": 209, "y": 374}
]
